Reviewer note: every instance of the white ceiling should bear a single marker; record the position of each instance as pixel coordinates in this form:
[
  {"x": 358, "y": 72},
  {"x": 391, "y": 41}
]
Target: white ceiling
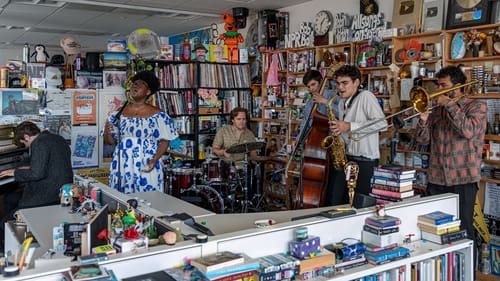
[{"x": 93, "y": 22}]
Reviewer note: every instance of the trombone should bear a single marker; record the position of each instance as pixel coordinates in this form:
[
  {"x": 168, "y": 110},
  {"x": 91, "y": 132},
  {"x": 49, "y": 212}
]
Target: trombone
[{"x": 420, "y": 100}]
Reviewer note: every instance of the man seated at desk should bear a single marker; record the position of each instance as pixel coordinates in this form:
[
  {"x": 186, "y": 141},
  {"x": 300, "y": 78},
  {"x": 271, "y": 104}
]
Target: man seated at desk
[
  {"x": 49, "y": 168},
  {"x": 234, "y": 134}
]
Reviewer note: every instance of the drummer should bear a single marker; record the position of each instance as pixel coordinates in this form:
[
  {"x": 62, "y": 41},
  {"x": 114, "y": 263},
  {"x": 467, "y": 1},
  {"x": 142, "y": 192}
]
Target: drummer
[{"x": 236, "y": 132}]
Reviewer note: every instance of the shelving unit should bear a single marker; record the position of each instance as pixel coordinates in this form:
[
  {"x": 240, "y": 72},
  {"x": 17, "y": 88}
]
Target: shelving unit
[{"x": 199, "y": 97}]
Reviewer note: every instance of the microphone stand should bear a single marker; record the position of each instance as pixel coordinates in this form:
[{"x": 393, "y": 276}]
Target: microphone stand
[{"x": 118, "y": 117}]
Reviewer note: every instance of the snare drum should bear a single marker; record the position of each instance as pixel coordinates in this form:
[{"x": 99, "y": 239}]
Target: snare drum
[{"x": 182, "y": 180}]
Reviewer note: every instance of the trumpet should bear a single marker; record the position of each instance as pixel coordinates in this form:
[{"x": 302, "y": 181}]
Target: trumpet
[{"x": 420, "y": 100}]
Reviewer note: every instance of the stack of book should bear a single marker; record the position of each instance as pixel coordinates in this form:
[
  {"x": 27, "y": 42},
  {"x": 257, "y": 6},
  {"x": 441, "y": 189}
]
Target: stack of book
[
  {"x": 440, "y": 227},
  {"x": 226, "y": 266},
  {"x": 319, "y": 264},
  {"x": 392, "y": 183},
  {"x": 381, "y": 236}
]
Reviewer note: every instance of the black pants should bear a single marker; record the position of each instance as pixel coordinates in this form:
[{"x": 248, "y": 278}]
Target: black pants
[
  {"x": 466, "y": 199},
  {"x": 337, "y": 190}
]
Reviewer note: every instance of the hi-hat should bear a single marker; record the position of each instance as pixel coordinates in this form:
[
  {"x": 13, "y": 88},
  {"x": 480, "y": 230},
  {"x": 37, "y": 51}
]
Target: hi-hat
[{"x": 245, "y": 147}]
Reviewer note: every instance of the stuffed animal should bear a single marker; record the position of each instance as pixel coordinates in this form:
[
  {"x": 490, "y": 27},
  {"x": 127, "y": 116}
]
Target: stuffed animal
[
  {"x": 231, "y": 38},
  {"x": 40, "y": 54}
]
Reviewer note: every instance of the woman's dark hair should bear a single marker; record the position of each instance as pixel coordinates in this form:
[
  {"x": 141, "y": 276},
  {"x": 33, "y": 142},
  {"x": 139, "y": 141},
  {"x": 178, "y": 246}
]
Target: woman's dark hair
[
  {"x": 25, "y": 128},
  {"x": 150, "y": 79},
  {"x": 349, "y": 71},
  {"x": 312, "y": 75},
  {"x": 456, "y": 74},
  {"x": 235, "y": 113}
]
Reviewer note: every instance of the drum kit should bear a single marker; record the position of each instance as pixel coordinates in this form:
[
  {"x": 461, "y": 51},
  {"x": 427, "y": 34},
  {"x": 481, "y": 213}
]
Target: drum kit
[{"x": 219, "y": 185}]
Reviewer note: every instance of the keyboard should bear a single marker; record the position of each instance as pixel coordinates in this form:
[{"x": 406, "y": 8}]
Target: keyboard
[{"x": 6, "y": 180}]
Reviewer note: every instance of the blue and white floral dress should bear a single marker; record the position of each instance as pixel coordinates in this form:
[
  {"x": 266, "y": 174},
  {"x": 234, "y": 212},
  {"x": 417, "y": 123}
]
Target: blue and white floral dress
[{"x": 139, "y": 139}]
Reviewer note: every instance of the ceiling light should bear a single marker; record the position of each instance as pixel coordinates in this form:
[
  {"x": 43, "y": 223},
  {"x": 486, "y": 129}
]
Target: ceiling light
[{"x": 144, "y": 8}]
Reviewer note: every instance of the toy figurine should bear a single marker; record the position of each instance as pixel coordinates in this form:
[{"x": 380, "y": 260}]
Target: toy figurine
[
  {"x": 40, "y": 54},
  {"x": 231, "y": 38},
  {"x": 66, "y": 195}
]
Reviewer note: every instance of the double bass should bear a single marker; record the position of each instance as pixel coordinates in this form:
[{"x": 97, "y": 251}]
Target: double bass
[{"x": 315, "y": 160}]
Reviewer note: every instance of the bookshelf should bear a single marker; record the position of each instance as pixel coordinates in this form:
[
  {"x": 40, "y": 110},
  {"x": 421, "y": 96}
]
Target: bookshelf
[{"x": 199, "y": 97}]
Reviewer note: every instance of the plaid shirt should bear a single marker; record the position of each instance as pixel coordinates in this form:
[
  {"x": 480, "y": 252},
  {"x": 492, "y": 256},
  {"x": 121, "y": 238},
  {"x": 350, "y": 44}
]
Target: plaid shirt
[{"x": 455, "y": 133}]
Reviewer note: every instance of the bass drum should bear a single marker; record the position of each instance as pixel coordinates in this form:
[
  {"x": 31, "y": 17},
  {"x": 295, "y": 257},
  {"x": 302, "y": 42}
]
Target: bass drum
[{"x": 210, "y": 198}]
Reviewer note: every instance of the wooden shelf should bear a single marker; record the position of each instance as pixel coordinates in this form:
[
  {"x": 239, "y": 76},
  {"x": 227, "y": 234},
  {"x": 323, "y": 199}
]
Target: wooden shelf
[
  {"x": 490, "y": 137},
  {"x": 486, "y": 96},
  {"x": 485, "y": 179},
  {"x": 491, "y": 162},
  {"x": 486, "y": 277}
]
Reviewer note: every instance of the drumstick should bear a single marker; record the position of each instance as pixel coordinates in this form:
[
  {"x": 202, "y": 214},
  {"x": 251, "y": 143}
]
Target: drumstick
[{"x": 26, "y": 245}]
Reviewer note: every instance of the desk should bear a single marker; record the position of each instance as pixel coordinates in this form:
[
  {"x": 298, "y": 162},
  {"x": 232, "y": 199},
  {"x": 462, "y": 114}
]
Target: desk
[{"x": 168, "y": 205}]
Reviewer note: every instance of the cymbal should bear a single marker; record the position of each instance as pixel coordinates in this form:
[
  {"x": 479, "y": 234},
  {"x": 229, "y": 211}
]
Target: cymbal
[
  {"x": 177, "y": 154},
  {"x": 245, "y": 147}
]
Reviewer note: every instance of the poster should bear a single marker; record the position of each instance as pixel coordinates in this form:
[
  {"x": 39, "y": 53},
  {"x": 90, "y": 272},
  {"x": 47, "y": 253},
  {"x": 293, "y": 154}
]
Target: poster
[
  {"x": 19, "y": 102},
  {"x": 57, "y": 102},
  {"x": 84, "y": 107},
  {"x": 84, "y": 148},
  {"x": 59, "y": 125},
  {"x": 109, "y": 101}
]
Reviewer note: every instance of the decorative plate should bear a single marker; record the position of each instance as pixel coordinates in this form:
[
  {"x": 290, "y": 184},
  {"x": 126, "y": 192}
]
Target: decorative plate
[
  {"x": 457, "y": 46},
  {"x": 496, "y": 46},
  {"x": 412, "y": 51}
]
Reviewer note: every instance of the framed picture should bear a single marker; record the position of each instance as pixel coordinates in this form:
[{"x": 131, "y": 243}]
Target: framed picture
[
  {"x": 406, "y": 16},
  {"x": 114, "y": 78},
  {"x": 465, "y": 13},
  {"x": 432, "y": 15}
]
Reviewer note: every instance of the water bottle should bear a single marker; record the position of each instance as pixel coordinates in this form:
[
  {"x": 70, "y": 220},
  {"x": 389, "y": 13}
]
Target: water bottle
[{"x": 26, "y": 53}]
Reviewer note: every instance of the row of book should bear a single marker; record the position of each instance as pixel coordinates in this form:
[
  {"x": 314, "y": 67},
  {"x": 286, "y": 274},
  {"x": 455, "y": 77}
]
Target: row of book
[
  {"x": 224, "y": 76},
  {"x": 448, "y": 267},
  {"x": 173, "y": 76},
  {"x": 175, "y": 102}
]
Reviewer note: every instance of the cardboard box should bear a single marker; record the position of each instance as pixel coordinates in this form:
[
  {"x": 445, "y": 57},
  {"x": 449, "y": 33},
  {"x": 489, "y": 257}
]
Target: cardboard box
[{"x": 303, "y": 249}]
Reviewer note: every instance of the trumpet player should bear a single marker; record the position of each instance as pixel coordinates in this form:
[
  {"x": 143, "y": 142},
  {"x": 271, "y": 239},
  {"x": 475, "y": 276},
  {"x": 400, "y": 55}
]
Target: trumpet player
[
  {"x": 455, "y": 130},
  {"x": 356, "y": 109}
]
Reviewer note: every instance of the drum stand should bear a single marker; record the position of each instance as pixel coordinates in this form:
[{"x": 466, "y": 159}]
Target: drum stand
[
  {"x": 257, "y": 196},
  {"x": 245, "y": 203}
]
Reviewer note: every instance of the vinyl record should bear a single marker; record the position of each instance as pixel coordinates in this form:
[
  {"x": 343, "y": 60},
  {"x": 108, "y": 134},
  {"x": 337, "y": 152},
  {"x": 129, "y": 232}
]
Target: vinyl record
[
  {"x": 144, "y": 43},
  {"x": 468, "y": 4}
]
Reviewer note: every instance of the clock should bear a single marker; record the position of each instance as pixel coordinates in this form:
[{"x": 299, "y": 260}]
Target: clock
[{"x": 323, "y": 21}]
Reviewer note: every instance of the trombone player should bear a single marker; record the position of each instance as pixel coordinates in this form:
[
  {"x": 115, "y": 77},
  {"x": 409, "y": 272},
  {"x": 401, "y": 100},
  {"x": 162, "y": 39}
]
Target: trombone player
[{"x": 455, "y": 130}]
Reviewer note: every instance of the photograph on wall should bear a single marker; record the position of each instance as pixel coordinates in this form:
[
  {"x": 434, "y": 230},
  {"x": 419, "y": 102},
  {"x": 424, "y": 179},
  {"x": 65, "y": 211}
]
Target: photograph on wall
[
  {"x": 109, "y": 101},
  {"x": 114, "y": 78},
  {"x": 84, "y": 148},
  {"x": 57, "y": 102},
  {"x": 59, "y": 125},
  {"x": 19, "y": 102},
  {"x": 84, "y": 107}
]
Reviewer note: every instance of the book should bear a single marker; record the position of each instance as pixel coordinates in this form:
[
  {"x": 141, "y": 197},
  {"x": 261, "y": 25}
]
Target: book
[
  {"x": 323, "y": 258},
  {"x": 184, "y": 273},
  {"x": 389, "y": 182},
  {"x": 436, "y": 217},
  {"x": 444, "y": 238},
  {"x": 382, "y": 221},
  {"x": 399, "y": 195},
  {"x": 277, "y": 262},
  {"x": 375, "y": 248},
  {"x": 440, "y": 226},
  {"x": 248, "y": 265},
  {"x": 440, "y": 231},
  {"x": 217, "y": 261},
  {"x": 360, "y": 259},
  {"x": 393, "y": 188},
  {"x": 87, "y": 272},
  {"x": 387, "y": 255},
  {"x": 152, "y": 276},
  {"x": 395, "y": 169},
  {"x": 380, "y": 230},
  {"x": 287, "y": 274},
  {"x": 380, "y": 240},
  {"x": 246, "y": 275}
]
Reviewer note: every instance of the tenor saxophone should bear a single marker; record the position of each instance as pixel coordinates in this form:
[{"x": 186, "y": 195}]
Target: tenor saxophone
[{"x": 334, "y": 144}]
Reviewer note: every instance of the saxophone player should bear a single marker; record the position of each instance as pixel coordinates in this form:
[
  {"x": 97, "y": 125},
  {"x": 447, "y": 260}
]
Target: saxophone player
[{"x": 356, "y": 108}]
